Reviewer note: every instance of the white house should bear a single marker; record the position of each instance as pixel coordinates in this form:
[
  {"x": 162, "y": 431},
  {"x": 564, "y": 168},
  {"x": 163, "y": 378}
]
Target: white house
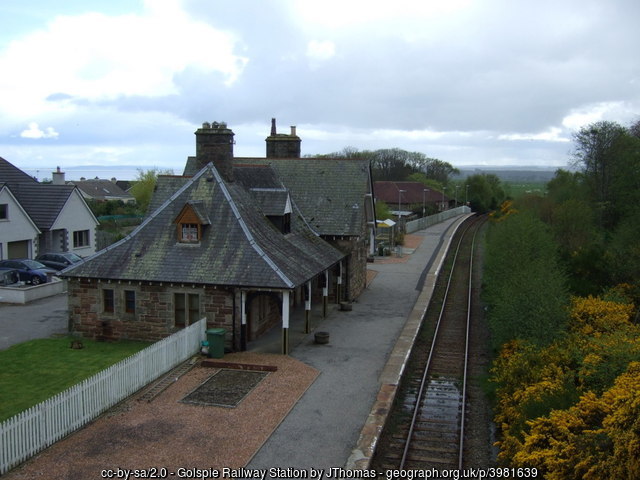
[
  {"x": 18, "y": 233},
  {"x": 59, "y": 219}
]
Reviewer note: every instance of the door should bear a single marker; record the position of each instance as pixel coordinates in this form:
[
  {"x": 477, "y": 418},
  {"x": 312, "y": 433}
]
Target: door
[{"x": 18, "y": 249}]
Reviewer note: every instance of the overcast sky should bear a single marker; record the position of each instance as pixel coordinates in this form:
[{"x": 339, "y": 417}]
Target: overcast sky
[{"x": 125, "y": 83}]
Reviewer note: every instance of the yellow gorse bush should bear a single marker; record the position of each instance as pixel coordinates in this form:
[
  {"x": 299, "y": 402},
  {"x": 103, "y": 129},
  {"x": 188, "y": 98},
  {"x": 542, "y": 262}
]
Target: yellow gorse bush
[
  {"x": 506, "y": 209},
  {"x": 594, "y": 316},
  {"x": 597, "y": 434}
]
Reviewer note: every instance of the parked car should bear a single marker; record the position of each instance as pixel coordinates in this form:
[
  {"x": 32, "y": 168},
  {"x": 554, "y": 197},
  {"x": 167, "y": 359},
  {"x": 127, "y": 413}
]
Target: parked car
[
  {"x": 59, "y": 260},
  {"x": 8, "y": 276},
  {"x": 29, "y": 270}
]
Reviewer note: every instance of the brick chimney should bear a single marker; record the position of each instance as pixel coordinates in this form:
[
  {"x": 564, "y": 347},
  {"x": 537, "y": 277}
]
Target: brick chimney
[
  {"x": 57, "y": 177},
  {"x": 281, "y": 145},
  {"x": 214, "y": 143}
]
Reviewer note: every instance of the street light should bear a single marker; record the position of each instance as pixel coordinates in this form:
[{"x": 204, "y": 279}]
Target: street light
[
  {"x": 424, "y": 193},
  {"x": 400, "y": 192},
  {"x": 466, "y": 196},
  {"x": 443, "y": 189},
  {"x": 457, "y": 187}
]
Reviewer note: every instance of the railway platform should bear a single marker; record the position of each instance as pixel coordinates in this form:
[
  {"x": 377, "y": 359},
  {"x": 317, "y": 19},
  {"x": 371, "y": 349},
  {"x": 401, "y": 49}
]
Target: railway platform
[{"x": 337, "y": 421}]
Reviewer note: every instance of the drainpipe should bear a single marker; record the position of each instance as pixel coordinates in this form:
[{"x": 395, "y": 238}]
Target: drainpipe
[
  {"x": 243, "y": 320},
  {"x": 307, "y": 306},
  {"x": 285, "y": 322},
  {"x": 325, "y": 293},
  {"x": 339, "y": 296}
]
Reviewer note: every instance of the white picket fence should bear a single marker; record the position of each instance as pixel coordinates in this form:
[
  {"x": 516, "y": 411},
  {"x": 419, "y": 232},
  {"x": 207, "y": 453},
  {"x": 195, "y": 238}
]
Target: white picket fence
[
  {"x": 33, "y": 430},
  {"x": 424, "y": 222}
]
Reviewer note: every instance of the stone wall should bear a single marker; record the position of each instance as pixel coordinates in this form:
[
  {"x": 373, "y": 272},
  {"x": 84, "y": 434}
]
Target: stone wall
[
  {"x": 356, "y": 265},
  {"x": 154, "y": 316}
]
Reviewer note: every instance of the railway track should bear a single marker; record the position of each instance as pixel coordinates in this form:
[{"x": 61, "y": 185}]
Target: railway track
[{"x": 426, "y": 430}]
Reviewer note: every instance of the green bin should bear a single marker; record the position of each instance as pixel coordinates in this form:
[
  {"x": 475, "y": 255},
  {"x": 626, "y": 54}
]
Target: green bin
[{"x": 215, "y": 337}]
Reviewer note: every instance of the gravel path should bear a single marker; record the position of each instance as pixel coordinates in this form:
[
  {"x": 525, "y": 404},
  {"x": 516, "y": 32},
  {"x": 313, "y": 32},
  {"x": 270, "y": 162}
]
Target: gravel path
[{"x": 167, "y": 433}]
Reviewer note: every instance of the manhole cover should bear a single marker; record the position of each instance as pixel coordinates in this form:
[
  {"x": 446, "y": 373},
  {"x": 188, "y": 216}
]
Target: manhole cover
[{"x": 225, "y": 388}]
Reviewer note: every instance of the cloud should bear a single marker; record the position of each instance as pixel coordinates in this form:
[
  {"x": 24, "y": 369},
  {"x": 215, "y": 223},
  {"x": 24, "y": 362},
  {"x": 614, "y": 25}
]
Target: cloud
[
  {"x": 466, "y": 81},
  {"x": 317, "y": 50},
  {"x": 34, "y": 131},
  {"x": 95, "y": 56}
]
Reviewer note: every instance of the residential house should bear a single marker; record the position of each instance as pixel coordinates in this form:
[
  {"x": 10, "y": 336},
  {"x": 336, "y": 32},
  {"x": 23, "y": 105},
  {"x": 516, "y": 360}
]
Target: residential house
[
  {"x": 232, "y": 240},
  {"x": 18, "y": 232},
  {"x": 62, "y": 218},
  {"x": 103, "y": 190},
  {"x": 404, "y": 196}
]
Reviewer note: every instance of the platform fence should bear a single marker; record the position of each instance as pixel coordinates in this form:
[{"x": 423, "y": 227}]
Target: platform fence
[
  {"x": 33, "y": 430},
  {"x": 424, "y": 222}
]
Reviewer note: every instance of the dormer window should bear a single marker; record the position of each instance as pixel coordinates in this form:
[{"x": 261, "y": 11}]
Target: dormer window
[
  {"x": 190, "y": 223},
  {"x": 190, "y": 232}
]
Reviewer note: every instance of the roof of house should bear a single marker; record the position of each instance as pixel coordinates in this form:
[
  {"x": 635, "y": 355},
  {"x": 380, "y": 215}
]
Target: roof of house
[
  {"x": 102, "y": 189},
  {"x": 11, "y": 174},
  {"x": 265, "y": 187},
  {"x": 330, "y": 193},
  {"x": 43, "y": 202},
  {"x": 239, "y": 248},
  {"x": 413, "y": 193}
]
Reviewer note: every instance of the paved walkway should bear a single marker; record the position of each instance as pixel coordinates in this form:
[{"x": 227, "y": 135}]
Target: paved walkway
[
  {"x": 325, "y": 425},
  {"x": 39, "y": 319}
]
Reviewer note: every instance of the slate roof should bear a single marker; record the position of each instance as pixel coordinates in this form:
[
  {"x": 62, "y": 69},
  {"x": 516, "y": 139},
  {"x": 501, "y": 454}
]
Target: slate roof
[
  {"x": 166, "y": 185},
  {"x": 265, "y": 187},
  {"x": 330, "y": 193},
  {"x": 101, "y": 189},
  {"x": 11, "y": 174},
  {"x": 42, "y": 201},
  {"x": 240, "y": 248}
]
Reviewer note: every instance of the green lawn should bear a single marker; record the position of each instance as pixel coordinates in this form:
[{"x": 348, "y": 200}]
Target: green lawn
[{"x": 33, "y": 371}]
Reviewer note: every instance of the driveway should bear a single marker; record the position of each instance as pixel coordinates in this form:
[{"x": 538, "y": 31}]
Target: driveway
[{"x": 39, "y": 319}]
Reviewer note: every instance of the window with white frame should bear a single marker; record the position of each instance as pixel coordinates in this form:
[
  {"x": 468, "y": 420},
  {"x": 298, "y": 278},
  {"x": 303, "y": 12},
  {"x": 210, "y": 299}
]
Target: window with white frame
[{"x": 80, "y": 238}]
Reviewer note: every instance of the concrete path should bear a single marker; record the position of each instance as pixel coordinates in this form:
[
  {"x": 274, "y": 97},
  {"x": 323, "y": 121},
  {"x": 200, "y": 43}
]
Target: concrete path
[
  {"x": 39, "y": 319},
  {"x": 324, "y": 426}
]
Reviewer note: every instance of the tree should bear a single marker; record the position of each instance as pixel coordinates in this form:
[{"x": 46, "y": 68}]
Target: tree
[
  {"x": 524, "y": 283},
  {"x": 485, "y": 192},
  {"x": 427, "y": 182},
  {"x": 382, "y": 211},
  {"x": 144, "y": 184},
  {"x": 597, "y": 150},
  {"x": 439, "y": 171}
]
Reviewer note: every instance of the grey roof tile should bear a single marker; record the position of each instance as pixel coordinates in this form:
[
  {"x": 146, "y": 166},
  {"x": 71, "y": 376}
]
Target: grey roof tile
[
  {"x": 240, "y": 247},
  {"x": 329, "y": 192},
  {"x": 11, "y": 174},
  {"x": 43, "y": 202}
]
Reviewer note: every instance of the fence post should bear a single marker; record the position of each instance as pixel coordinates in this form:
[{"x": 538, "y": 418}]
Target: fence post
[{"x": 31, "y": 431}]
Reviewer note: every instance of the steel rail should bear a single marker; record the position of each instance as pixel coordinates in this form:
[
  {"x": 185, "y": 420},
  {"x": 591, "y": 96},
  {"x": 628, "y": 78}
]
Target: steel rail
[
  {"x": 466, "y": 353},
  {"x": 425, "y": 372}
]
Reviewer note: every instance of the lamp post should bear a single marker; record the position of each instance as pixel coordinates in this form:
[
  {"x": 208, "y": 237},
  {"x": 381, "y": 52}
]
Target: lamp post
[
  {"x": 443, "y": 189},
  {"x": 424, "y": 193},
  {"x": 466, "y": 196},
  {"x": 457, "y": 187},
  {"x": 400, "y": 192}
]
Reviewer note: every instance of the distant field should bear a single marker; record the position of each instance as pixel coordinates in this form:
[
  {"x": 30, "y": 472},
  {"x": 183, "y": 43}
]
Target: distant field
[{"x": 517, "y": 189}]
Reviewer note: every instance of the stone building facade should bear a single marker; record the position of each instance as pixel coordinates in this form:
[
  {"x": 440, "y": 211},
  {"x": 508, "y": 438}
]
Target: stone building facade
[{"x": 241, "y": 242}]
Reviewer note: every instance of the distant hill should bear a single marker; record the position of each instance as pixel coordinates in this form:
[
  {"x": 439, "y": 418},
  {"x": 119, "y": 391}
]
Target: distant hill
[{"x": 511, "y": 174}]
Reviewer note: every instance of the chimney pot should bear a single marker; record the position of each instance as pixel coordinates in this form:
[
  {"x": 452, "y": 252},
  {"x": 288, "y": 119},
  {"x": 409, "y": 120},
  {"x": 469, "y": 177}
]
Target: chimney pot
[
  {"x": 273, "y": 127},
  {"x": 57, "y": 177},
  {"x": 293, "y": 130}
]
